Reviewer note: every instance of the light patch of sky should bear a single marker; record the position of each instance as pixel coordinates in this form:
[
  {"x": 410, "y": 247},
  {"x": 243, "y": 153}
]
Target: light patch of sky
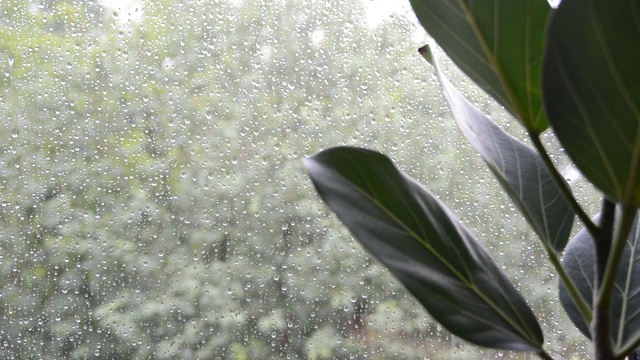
[
  {"x": 129, "y": 13},
  {"x": 132, "y": 11},
  {"x": 379, "y": 10},
  {"x": 126, "y": 12}
]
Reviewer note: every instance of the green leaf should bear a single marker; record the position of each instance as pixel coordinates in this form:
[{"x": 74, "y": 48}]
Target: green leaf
[
  {"x": 520, "y": 170},
  {"x": 579, "y": 261},
  {"x": 498, "y": 44},
  {"x": 425, "y": 247},
  {"x": 591, "y": 82}
]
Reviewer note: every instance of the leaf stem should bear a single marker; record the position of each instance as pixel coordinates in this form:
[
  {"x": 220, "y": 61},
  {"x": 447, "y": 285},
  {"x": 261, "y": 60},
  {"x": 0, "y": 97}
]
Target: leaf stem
[
  {"x": 585, "y": 309},
  {"x": 578, "y": 299},
  {"x": 564, "y": 187}
]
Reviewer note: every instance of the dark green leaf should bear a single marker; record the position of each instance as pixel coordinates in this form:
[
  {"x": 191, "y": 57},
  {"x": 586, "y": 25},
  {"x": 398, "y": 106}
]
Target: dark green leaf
[
  {"x": 499, "y": 44},
  {"x": 426, "y": 247},
  {"x": 579, "y": 260},
  {"x": 592, "y": 91},
  {"x": 520, "y": 170}
]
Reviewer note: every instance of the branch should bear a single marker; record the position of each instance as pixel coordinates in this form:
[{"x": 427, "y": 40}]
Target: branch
[{"x": 601, "y": 324}]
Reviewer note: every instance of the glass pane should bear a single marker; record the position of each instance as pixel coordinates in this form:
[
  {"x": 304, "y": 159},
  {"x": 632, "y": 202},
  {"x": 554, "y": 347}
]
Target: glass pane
[{"x": 153, "y": 201}]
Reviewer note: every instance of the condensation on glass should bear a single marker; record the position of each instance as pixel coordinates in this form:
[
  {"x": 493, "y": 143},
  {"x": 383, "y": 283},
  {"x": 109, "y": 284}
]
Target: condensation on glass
[{"x": 153, "y": 201}]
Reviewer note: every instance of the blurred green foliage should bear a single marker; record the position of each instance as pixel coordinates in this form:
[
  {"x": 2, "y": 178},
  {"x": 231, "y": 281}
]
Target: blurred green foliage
[{"x": 153, "y": 204}]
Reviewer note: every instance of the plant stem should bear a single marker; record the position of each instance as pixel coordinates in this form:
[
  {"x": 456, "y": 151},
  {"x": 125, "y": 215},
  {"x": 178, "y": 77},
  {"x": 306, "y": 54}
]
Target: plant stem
[
  {"x": 604, "y": 242},
  {"x": 579, "y": 301},
  {"x": 585, "y": 309},
  {"x": 563, "y": 186},
  {"x": 601, "y": 324}
]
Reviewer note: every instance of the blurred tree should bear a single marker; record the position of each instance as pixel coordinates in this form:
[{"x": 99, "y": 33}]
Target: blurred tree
[{"x": 153, "y": 201}]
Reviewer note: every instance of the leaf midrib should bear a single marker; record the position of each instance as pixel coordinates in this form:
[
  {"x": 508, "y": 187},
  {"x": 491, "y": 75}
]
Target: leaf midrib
[
  {"x": 421, "y": 241},
  {"x": 492, "y": 60},
  {"x": 617, "y": 78}
]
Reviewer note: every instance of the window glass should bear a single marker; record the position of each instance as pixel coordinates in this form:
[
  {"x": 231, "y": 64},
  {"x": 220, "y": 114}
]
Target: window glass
[{"x": 153, "y": 201}]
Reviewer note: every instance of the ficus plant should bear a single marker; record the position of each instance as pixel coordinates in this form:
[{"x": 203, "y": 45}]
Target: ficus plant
[{"x": 573, "y": 70}]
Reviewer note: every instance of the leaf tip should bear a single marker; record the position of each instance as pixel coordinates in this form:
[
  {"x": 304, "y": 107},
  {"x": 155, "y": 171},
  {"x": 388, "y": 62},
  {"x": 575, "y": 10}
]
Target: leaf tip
[
  {"x": 425, "y": 52},
  {"x": 307, "y": 162}
]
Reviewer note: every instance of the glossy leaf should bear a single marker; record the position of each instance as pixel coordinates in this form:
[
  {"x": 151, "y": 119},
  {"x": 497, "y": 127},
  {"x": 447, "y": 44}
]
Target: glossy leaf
[
  {"x": 579, "y": 260},
  {"x": 425, "y": 247},
  {"x": 592, "y": 91},
  {"x": 520, "y": 170},
  {"x": 498, "y": 44}
]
